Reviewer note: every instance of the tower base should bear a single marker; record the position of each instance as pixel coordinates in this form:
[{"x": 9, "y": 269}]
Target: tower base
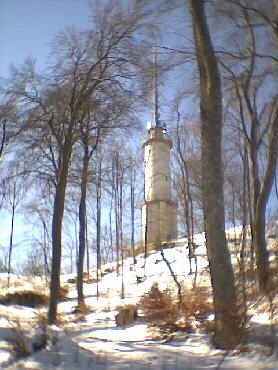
[{"x": 159, "y": 222}]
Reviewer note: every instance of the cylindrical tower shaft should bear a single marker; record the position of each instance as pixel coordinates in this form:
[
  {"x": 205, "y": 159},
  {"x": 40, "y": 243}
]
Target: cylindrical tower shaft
[{"x": 157, "y": 166}]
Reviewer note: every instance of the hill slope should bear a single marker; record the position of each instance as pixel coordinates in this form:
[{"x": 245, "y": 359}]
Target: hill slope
[{"x": 93, "y": 341}]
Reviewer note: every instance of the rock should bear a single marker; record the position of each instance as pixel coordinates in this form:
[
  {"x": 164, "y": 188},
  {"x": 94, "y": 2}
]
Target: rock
[
  {"x": 39, "y": 339},
  {"x": 140, "y": 279},
  {"x": 126, "y": 316}
]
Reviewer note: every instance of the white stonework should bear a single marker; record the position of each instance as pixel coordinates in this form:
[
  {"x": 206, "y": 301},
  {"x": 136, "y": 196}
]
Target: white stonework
[{"x": 159, "y": 211}]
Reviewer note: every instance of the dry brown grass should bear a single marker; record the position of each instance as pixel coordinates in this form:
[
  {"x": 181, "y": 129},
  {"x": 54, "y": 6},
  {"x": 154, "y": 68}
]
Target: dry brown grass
[
  {"x": 196, "y": 304},
  {"x": 31, "y": 298},
  {"x": 158, "y": 307},
  {"x": 63, "y": 292},
  {"x": 25, "y": 298},
  {"x": 164, "y": 314}
]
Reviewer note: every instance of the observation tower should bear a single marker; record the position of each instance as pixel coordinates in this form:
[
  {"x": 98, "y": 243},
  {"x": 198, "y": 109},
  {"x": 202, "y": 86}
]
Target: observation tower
[{"x": 159, "y": 210}]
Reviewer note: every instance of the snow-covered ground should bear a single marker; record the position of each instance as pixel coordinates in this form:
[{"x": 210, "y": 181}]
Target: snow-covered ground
[{"x": 95, "y": 342}]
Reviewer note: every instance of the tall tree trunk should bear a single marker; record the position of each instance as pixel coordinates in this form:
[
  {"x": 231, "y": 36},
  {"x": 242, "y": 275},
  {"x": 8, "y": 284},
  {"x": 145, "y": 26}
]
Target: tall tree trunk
[
  {"x": 110, "y": 226},
  {"x": 116, "y": 204},
  {"x": 57, "y": 223},
  {"x": 99, "y": 226},
  {"x": 121, "y": 234},
  {"x": 227, "y": 327},
  {"x": 76, "y": 236},
  {"x": 11, "y": 243},
  {"x": 45, "y": 254},
  {"x": 262, "y": 256},
  {"x": 3, "y": 138},
  {"x": 117, "y": 232},
  {"x": 87, "y": 248},
  {"x": 132, "y": 211},
  {"x": 82, "y": 229},
  {"x": 242, "y": 265},
  {"x": 187, "y": 202}
]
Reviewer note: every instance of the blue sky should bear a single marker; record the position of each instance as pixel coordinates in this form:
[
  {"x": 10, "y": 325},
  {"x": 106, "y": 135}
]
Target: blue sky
[{"x": 27, "y": 27}]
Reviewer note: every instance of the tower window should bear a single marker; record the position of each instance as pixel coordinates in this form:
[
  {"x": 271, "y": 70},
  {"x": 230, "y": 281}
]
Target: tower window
[{"x": 166, "y": 177}]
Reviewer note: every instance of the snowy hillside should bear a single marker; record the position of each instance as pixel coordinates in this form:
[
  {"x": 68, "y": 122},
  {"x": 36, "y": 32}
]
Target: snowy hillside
[{"x": 93, "y": 341}]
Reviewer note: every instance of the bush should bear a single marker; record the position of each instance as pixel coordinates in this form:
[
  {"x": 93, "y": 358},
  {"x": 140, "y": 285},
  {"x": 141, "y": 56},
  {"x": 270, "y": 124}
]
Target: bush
[
  {"x": 196, "y": 305},
  {"x": 25, "y": 298},
  {"x": 158, "y": 307},
  {"x": 31, "y": 298},
  {"x": 87, "y": 280},
  {"x": 24, "y": 342},
  {"x": 164, "y": 313},
  {"x": 63, "y": 292}
]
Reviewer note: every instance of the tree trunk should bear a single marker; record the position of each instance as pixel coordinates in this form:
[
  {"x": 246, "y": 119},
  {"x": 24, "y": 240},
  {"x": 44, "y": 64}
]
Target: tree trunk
[
  {"x": 45, "y": 248},
  {"x": 227, "y": 329},
  {"x": 121, "y": 234},
  {"x": 132, "y": 211},
  {"x": 11, "y": 243},
  {"x": 45, "y": 254},
  {"x": 242, "y": 265},
  {"x": 98, "y": 226},
  {"x": 3, "y": 138},
  {"x": 87, "y": 248},
  {"x": 116, "y": 203},
  {"x": 110, "y": 225},
  {"x": 262, "y": 256},
  {"x": 57, "y": 221},
  {"x": 187, "y": 203},
  {"x": 82, "y": 230}
]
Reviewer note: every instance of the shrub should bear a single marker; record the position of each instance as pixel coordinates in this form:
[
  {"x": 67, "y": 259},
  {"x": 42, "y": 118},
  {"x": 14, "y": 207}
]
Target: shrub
[
  {"x": 63, "y": 292},
  {"x": 196, "y": 305},
  {"x": 87, "y": 280},
  {"x": 158, "y": 307},
  {"x": 24, "y": 342},
  {"x": 160, "y": 312},
  {"x": 31, "y": 298},
  {"x": 164, "y": 313},
  {"x": 25, "y": 298},
  {"x": 81, "y": 310}
]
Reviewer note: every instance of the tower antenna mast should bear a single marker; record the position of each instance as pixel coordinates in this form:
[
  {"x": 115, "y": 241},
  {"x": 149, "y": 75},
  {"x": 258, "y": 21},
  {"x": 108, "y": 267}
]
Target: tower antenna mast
[{"x": 155, "y": 90}]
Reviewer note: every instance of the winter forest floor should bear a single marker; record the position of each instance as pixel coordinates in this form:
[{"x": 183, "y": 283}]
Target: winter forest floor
[{"x": 93, "y": 341}]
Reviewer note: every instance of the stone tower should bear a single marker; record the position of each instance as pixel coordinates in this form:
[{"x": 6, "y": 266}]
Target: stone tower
[{"x": 159, "y": 211}]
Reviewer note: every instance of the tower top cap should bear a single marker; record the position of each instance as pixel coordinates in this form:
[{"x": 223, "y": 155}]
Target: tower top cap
[{"x": 158, "y": 124}]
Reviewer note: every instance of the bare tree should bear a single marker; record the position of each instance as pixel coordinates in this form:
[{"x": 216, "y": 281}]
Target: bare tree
[
  {"x": 8, "y": 114},
  {"x": 117, "y": 179},
  {"x": 14, "y": 194},
  {"x": 184, "y": 184},
  {"x": 250, "y": 70},
  {"x": 227, "y": 327},
  {"x": 89, "y": 144},
  {"x": 110, "y": 110},
  {"x": 39, "y": 208},
  {"x": 98, "y": 220},
  {"x": 3, "y": 136},
  {"x": 53, "y": 107}
]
